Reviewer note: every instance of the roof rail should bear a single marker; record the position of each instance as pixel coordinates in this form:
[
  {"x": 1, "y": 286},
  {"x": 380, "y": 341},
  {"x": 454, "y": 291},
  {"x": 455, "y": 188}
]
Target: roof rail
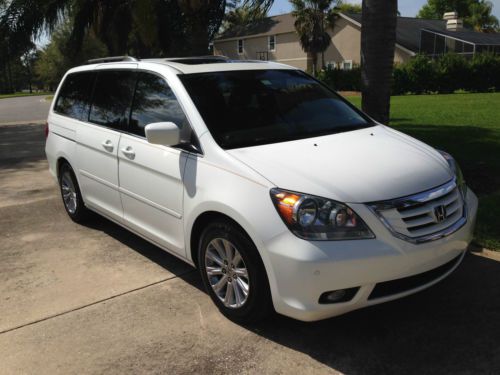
[
  {"x": 206, "y": 57},
  {"x": 112, "y": 59},
  {"x": 196, "y": 60}
]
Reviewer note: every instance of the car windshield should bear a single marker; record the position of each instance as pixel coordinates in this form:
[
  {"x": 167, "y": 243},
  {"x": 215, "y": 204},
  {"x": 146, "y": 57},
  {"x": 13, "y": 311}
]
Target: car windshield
[{"x": 255, "y": 107}]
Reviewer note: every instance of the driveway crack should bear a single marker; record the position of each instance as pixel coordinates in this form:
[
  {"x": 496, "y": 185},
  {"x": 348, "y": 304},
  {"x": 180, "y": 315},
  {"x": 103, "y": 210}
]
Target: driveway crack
[{"x": 95, "y": 302}]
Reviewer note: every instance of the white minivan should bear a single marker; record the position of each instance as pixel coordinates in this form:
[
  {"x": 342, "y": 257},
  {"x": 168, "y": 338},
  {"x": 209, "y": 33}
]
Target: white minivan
[{"x": 283, "y": 194}]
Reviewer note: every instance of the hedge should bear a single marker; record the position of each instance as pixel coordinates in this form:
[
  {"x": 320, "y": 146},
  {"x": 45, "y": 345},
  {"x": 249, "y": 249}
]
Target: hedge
[
  {"x": 341, "y": 80},
  {"x": 421, "y": 75}
]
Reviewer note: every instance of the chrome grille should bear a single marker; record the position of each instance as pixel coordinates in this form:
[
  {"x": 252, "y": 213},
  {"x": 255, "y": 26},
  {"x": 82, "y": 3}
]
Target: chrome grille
[{"x": 426, "y": 216}]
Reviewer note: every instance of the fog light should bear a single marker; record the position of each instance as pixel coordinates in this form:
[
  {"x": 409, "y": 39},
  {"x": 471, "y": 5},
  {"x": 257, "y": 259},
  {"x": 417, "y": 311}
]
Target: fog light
[{"x": 336, "y": 296}]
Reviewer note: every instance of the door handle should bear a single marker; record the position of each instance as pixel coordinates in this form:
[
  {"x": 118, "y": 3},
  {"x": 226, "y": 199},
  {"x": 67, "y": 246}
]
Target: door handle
[
  {"x": 107, "y": 145},
  {"x": 128, "y": 152}
]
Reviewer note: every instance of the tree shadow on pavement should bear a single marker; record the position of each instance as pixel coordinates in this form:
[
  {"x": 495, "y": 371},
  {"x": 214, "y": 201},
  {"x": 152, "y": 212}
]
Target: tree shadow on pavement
[
  {"x": 21, "y": 146},
  {"x": 452, "y": 327},
  {"x": 148, "y": 250}
]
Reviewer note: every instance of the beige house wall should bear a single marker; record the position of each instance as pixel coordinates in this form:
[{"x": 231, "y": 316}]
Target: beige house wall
[
  {"x": 401, "y": 56},
  {"x": 345, "y": 46},
  {"x": 346, "y": 43},
  {"x": 287, "y": 49}
]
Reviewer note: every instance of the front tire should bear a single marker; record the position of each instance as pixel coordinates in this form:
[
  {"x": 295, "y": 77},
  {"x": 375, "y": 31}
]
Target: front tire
[
  {"x": 71, "y": 195},
  {"x": 233, "y": 273}
]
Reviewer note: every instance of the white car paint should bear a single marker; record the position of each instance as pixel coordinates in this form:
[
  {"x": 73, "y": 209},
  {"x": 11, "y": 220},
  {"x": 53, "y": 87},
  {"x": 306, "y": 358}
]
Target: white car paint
[
  {"x": 160, "y": 192},
  {"x": 365, "y": 165}
]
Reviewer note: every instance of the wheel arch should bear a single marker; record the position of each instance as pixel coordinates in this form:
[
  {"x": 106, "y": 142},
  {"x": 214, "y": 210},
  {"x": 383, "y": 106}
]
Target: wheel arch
[
  {"x": 60, "y": 161},
  {"x": 200, "y": 224}
]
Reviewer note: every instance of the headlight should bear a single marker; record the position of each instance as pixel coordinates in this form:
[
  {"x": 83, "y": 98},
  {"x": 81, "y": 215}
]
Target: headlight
[
  {"x": 455, "y": 168},
  {"x": 315, "y": 218}
]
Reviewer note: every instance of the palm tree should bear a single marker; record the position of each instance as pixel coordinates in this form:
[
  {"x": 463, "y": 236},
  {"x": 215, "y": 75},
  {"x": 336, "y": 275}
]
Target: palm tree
[
  {"x": 240, "y": 14},
  {"x": 481, "y": 18},
  {"x": 378, "y": 39},
  {"x": 175, "y": 27},
  {"x": 312, "y": 18}
]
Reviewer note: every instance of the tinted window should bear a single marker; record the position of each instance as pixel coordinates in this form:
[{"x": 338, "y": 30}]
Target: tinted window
[
  {"x": 73, "y": 96},
  {"x": 246, "y": 108},
  {"x": 112, "y": 98},
  {"x": 154, "y": 101}
]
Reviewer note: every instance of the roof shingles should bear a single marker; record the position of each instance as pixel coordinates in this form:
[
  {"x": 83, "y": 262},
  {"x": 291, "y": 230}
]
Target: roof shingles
[{"x": 407, "y": 32}]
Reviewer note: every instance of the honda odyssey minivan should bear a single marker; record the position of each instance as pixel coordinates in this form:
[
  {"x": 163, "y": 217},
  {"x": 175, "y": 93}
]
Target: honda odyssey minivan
[{"x": 285, "y": 196}]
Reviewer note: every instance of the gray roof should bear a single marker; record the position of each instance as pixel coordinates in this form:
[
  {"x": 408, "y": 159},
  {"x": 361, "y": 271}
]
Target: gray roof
[
  {"x": 408, "y": 29},
  {"x": 283, "y": 23},
  {"x": 472, "y": 36}
]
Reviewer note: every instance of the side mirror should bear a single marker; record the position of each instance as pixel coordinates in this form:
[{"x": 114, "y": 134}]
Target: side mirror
[{"x": 163, "y": 133}]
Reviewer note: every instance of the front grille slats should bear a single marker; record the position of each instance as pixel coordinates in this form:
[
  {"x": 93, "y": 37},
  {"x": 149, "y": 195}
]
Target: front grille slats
[
  {"x": 433, "y": 228},
  {"x": 422, "y": 214},
  {"x": 419, "y": 220},
  {"x": 424, "y": 207}
]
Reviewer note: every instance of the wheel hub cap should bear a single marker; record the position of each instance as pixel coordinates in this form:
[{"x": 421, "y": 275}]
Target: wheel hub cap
[
  {"x": 227, "y": 273},
  {"x": 68, "y": 193}
]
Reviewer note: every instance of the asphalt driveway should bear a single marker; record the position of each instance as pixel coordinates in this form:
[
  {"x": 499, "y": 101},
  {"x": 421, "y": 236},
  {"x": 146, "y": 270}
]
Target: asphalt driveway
[
  {"x": 98, "y": 299},
  {"x": 25, "y": 109}
]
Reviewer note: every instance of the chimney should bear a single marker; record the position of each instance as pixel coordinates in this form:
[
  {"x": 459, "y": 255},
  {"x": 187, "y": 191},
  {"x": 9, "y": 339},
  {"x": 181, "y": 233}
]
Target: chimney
[{"x": 453, "y": 23}]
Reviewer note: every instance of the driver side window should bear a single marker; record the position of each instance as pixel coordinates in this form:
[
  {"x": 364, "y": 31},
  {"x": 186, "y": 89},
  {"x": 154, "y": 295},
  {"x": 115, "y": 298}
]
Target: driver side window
[{"x": 154, "y": 101}]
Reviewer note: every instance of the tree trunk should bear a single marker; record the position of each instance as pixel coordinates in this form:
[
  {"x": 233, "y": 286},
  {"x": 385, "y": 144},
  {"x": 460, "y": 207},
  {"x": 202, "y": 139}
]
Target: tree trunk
[
  {"x": 378, "y": 39},
  {"x": 314, "y": 56},
  {"x": 10, "y": 84}
]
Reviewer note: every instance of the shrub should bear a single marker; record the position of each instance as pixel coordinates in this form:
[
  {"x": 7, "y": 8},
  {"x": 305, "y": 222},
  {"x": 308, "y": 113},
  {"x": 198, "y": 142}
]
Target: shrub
[
  {"x": 446, "y": 74},
  {"x": 417, "y": 76},
  {"x": 341, "y": 80},
  {"x": 421, "y": 74},
  {"x": 452, "y": 73},
  {"x": 484, "y": 72}
]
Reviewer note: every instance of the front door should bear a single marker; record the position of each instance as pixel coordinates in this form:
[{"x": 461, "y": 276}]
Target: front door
[{"x": 151, "y": 175}]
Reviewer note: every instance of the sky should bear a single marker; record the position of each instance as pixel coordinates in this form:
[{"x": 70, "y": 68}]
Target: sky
[{"x": 407, "y": 8}]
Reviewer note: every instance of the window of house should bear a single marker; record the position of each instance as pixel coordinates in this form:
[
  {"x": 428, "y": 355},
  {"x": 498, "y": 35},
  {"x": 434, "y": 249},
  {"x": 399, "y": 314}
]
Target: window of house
[
  {"x": 331, "y": 64},
  {"x": 347, "y": 64},
  {"x": 73, "y": 97},
  {"x": 154, "y": 101},
  {"x": 240, "y": 46},
  {"x": 271, "y": 43},
  {"x": 112, "y": 98}
]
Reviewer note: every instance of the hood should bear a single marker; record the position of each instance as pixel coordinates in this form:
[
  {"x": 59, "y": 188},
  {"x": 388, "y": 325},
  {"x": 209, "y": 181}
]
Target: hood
[{"x": 367, "y": 165}]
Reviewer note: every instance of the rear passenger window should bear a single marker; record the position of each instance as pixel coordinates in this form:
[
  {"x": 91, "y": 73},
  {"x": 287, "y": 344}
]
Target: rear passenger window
[
  {"x": 72, "y": 100},
  {"x": 154, "y": 101},
  {"x": 112, "y": 99}
]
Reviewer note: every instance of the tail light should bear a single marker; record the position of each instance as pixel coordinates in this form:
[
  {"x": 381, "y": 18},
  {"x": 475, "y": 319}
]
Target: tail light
[{"x": 46, "y": 129}]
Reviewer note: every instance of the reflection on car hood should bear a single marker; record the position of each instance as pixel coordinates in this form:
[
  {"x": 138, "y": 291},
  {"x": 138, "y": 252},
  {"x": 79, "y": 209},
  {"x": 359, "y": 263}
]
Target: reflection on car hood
[{"x": 366, "y": 165}]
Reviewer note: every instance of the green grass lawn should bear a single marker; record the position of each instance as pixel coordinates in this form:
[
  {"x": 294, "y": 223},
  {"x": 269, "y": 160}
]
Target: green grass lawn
[
  {"x": 468, "y": 127},
  {"x": 17, "y": 94}
]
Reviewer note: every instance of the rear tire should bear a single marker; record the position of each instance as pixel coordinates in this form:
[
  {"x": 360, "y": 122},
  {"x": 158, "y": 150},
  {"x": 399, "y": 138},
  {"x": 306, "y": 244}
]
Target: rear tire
[
  {"x": 71, "y": 195},
  {"x": 233, "y": 273}
]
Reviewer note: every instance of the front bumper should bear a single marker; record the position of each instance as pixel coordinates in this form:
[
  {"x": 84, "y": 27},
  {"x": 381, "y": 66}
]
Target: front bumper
[{"x": 303, "y": 270}]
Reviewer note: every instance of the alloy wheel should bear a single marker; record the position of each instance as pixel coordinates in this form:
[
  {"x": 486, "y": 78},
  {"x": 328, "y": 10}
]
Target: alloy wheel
[
  {"x": 227, "y": 273},
  {"x": 69, "y": 192}
]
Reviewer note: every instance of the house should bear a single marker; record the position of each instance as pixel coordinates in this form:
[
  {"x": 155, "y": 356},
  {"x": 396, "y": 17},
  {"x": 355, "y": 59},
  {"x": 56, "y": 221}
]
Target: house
[{"x": 275, "y": 39}]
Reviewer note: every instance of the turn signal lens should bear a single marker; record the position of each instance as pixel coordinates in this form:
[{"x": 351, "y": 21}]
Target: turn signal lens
[
  {"x": 316, "y": 218},
  {"x": 285, "y": 204}
]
